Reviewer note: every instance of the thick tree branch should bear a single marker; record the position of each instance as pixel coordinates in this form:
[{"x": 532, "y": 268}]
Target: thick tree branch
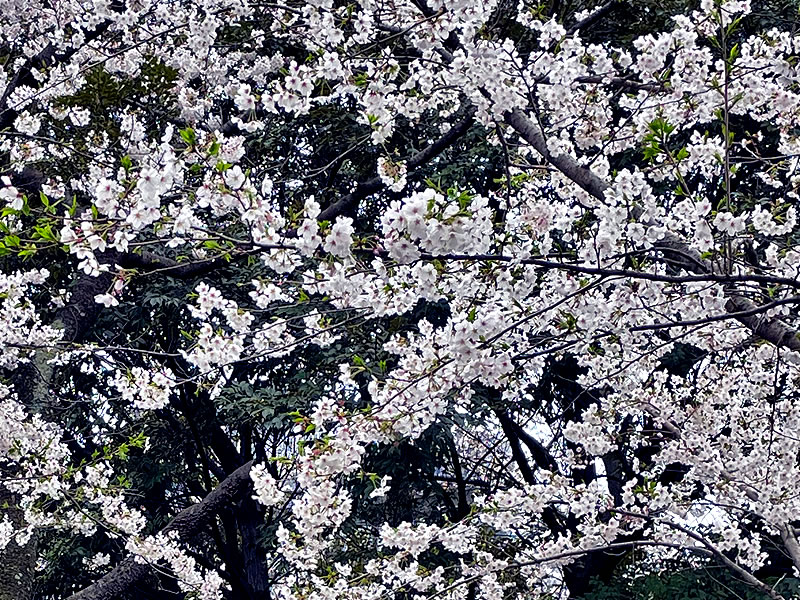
[
  {"x": 541, "y": 456},
  {"x": 516, "y": 448},
  {"x": 594, "y": 17},
  {"x": 772, "y": 330},
  {"x": 530, "y": 131},
  {"x": 186, "y": 523},
  {"x": 789, "y": 538}
]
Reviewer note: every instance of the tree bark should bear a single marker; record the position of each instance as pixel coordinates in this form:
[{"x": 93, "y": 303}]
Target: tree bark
[
  {"x": 187, "y": 523},
  {"x": 17, "y": 564}
]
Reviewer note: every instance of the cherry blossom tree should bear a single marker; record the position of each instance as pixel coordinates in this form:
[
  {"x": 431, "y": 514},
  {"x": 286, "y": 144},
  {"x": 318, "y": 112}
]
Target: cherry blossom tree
[{"x": 395, "y": 298}]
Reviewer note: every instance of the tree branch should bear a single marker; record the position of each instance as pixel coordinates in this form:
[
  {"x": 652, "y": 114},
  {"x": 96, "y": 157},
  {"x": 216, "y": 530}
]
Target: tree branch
[
  {"x": 772, "y": 330},
  {"x": 186, "y": 523},
  {"x": 371, "y": 186},
  {"x": 594, "y": 17}
]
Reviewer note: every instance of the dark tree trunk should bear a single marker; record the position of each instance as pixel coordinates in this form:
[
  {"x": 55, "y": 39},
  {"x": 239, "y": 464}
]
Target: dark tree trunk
[{"x": 17, "y": 565}]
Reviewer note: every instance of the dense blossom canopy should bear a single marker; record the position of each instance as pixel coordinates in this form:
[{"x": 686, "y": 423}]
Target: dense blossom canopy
[{"x": 382, "y": 299}]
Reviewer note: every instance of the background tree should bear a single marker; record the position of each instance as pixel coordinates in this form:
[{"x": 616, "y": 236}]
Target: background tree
[{"x": 462, "y": 299}]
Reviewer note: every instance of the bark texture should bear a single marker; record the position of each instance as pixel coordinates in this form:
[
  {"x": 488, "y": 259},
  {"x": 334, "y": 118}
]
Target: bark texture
[
  {"x": 17, "y": 564},
  {"x": 187, "y": 523}
]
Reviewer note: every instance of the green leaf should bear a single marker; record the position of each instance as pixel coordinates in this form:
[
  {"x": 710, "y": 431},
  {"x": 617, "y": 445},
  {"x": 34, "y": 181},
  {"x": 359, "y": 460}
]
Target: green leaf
[
  {"x": 188, "y": 135},
  {"x": 44, "y": 232}
]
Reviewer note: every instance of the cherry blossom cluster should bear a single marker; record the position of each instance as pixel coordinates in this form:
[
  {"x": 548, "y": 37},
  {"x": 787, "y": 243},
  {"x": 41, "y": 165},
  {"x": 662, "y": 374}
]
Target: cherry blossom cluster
[{"x": 577, "y": 252}]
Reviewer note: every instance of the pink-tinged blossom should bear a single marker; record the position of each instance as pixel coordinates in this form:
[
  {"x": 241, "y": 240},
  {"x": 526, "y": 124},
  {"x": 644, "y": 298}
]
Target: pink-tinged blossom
[
  {"x": 10, "y": 194},
  {"x": 339, "y": 240},
  {"x": 265, "y": 487}
]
